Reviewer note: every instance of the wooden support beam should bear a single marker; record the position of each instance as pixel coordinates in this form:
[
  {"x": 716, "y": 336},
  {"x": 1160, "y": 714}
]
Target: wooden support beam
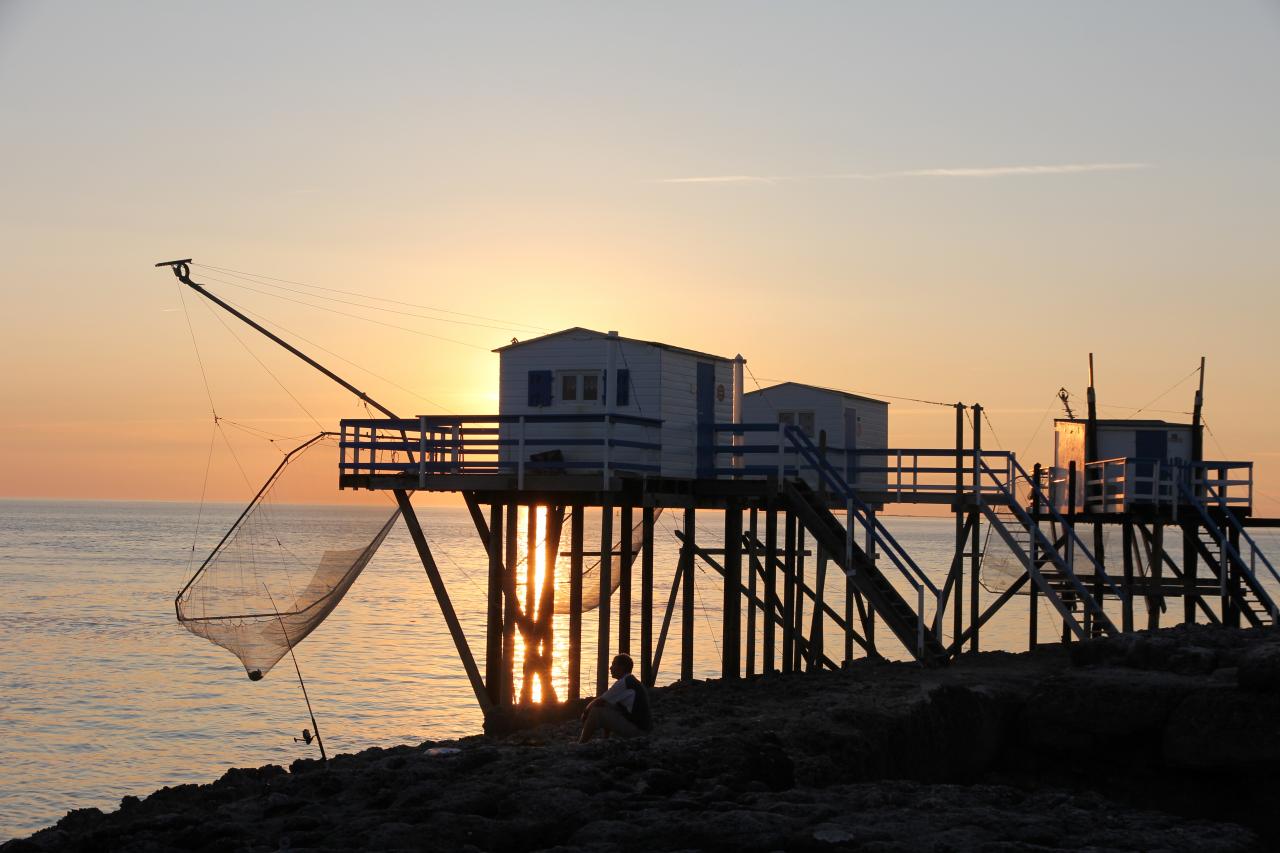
[
  {"x": 442, "y": 598},
  {"x": 493, "y": 663},
  {"x": 753, "y": 569},
  {"x": 819, "y": 603},
  {"x": 1190, "y": 568},
  {"x": 666, "y": 623},
  {"x": 798, "y": 617},
  {"x": 547, "y": 602},
  {"x": 731, "y": 612},
  {"x": 995, "y": 606},
  {"x": 576, "y": 534},
  {"x": 606, "y": 594},
  {"x": 770, "y": 584},
  {"x": 646, "y": 594},
  {"x": 625, "y": 526},
  {"x": 511, "y": 610},
  {"x": 1099, "y": 588},
  {"x": 1176, "y": 571},
  {"x": 1127, "y": 545},
  {"x": 528, "y": 634},
  {"x": 1155, "y": 599},
  {"x": 803, "y": 643},
  {"x": 686, "y": 597},
  {"x": 975, "y": 562},
  {"x": 789, "y": 593},
  {"x": 802, "y": 590}
]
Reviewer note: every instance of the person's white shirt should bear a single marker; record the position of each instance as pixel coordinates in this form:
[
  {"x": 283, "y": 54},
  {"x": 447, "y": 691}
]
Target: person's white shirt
[{"x": 620, "y": 694}]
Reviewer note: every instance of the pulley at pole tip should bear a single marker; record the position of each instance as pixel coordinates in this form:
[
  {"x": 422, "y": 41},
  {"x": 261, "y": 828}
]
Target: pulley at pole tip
[{"x": 180, "y": 267}]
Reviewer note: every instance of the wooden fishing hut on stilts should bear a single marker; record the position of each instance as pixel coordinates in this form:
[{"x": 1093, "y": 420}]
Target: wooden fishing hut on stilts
[{"x": 598, "y": 434}]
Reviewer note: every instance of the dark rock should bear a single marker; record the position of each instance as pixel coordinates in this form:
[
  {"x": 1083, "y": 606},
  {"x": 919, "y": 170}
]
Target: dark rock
[{"x": 1259, "y": 668}]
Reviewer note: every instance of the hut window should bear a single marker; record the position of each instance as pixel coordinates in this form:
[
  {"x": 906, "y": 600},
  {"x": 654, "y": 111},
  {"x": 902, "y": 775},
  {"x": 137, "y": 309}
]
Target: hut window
[
  {"x": 580, "y": 386},
  {"x": 804, "y": 420},
  {"x": 539, "y": 388}
]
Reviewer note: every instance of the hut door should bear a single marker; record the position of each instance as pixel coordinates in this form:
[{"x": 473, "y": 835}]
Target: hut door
[
  {"x": 1149, "y": 444},
  {"x": 706, "y": 413},
  {"x": 850, "y": 445}
]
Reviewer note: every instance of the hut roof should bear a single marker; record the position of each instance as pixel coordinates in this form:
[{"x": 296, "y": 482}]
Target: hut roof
[
  {"x": 847, "y": 394},
  {"x": 584, "y": 332}
]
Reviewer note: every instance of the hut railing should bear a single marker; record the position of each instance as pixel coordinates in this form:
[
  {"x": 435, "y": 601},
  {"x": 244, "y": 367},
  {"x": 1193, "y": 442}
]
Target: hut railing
[
  {"x": 432, "y": 445},
  {"x": 895, "y": 473},
  {"x": 1114, "y": 485}
]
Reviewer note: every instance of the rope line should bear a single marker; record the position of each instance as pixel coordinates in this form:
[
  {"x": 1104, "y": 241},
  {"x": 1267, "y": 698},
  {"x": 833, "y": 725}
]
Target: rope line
[
  {"x": 358, "y": 304},
  {"x": 200, "y": 361},
  {"x": 872, "y": 394},
  {"x": 252, "y": 276},
  {"x": 266, "y": 321},
  {"x": 352, "y": 316},
  {"x": 261, "y": 364},
  {"x": 1166, "y": 391}
]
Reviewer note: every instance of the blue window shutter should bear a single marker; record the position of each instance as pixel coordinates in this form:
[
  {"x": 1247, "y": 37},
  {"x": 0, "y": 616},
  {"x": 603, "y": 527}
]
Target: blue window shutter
[
  {"x": 539, "y": 388},
  {"x": 624, "y": 387}
]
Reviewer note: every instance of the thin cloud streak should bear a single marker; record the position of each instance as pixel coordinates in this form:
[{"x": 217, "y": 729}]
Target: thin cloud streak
[{"x": 977, "y": 172}]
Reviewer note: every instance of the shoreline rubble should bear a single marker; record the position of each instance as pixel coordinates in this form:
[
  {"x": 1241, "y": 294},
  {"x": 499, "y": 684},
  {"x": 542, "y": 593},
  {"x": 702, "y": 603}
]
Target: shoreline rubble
[{"x": 1167, "y": 740}]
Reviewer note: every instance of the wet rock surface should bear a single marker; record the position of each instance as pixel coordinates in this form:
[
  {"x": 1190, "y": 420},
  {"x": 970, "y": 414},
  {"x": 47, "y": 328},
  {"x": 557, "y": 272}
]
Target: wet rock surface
[{"x": 1168, "y": 741}]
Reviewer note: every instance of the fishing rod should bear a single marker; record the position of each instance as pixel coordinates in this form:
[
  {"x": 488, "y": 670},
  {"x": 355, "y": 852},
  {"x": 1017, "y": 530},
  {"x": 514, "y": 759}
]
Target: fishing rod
[{"x": 306, "y": 736}]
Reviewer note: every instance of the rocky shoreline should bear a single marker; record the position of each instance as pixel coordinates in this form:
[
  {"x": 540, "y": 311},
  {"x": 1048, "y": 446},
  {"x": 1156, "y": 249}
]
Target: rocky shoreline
[{"x": 1160, "y": 741}]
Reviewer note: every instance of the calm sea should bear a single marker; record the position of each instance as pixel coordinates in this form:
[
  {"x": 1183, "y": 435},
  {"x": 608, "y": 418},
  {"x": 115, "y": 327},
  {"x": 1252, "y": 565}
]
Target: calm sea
[{"x": 103, "y": 694}]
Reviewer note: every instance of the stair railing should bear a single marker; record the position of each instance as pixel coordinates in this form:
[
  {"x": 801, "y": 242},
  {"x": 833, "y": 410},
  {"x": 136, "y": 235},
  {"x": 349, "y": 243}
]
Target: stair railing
[
  {"x": 1230, "y": 551},
  {"x": 857, "y": 511},
  {"x": 1025, "y": 519}
]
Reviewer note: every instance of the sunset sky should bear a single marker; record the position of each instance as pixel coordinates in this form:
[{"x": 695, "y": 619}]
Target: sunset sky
[{"x": 940, "y": 201}]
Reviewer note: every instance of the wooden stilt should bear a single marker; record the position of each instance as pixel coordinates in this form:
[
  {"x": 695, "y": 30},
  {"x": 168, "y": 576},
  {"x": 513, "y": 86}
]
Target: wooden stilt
[
  {"x": 770, "y": 584},
  {"x": 686, "y": 598},
  {"x": 511, "y": 610},
  {"x": 493, "y": 663},
  {"x": 666, "y": 622},
  {"x": 1128, "y": 545},
  {"x": 1190, "y": 569},
  {"x": 1155, "y": 598},
  {"x": 646, "y": 594},
  {"x": 798, "y": 617},
  {"x": 731, "y": 613},
  {"x": 753, "y": 569},
  {"x": 624, "y": 580},
  {"x": 606, "y": 593},
  {"x": 547, "y": 603},
  {"x": 528, "y": 630},
  {"x": 819, "y": 602},
  {"x": 577, "y": 518},
  {"x": 789, "y": 593}
]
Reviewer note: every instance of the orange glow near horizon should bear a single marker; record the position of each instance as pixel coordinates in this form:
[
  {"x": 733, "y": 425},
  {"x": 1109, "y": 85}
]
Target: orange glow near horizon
[{"x": 530, "y": 596}]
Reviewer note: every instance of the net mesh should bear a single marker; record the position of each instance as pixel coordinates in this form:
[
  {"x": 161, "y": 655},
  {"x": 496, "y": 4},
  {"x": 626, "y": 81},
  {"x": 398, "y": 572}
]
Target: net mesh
[
  {"x": 590, "y": 574},
  {"x": 283, "y": 566}
]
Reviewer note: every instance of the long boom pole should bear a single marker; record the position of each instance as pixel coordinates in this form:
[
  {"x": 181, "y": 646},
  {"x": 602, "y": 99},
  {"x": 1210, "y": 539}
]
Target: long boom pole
[{"x": 182, "y": 270}]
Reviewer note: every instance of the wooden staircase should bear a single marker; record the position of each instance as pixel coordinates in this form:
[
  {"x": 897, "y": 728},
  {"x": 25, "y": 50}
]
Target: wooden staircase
[{"x": 901, "y": 618}]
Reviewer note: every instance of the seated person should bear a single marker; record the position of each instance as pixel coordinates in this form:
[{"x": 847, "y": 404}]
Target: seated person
[{"x": 623, "y": 709}]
